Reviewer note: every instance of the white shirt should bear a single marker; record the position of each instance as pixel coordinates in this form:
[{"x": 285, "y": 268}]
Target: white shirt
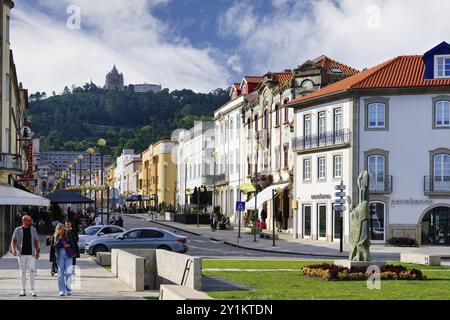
[{"x": 98, "y": 221}]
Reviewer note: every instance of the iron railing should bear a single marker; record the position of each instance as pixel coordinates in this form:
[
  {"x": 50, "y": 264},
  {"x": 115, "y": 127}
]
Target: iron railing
[
  {"x": 436, "y": 184},
  {"x": 11, "y": 162},
  {"x": 380, "y": 184},
  {"x": 321, "y": 140}
]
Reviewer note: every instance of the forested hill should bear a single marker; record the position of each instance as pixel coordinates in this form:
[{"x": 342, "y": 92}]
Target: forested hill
[{"x": 76, "y": 120}]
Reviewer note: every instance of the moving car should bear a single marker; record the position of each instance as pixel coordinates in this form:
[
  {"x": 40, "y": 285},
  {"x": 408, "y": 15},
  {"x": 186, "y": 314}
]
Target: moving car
[
  {"x": 96, "y": 232},
  {"x": 139, "y": 238}
]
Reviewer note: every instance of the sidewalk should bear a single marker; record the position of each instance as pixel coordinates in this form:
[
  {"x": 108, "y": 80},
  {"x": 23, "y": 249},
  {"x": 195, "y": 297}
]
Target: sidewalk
[
  {"x": 92, "y": 282},
  {"x": 287, "y": 245}
]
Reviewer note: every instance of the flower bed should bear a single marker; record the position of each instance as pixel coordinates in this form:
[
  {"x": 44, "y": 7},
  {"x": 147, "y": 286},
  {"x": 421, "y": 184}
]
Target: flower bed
[{"x": 333, "y": 272}]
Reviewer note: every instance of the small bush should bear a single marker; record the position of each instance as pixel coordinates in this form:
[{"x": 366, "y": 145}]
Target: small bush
[
  {"x": 332, "y": 272},
  {"x": 402, "y": 242}
]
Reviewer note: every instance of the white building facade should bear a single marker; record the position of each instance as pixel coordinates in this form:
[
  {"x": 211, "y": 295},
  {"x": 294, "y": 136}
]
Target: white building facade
[
  {"x": 195, "y": 165},
  {"x": 119, "y": 172},
  {"x": 230, "y": 155},
  {"x": 394, "y": 121}
]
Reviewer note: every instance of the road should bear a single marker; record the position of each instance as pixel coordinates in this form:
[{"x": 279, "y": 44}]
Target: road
[{"x": 201, "y": 246}]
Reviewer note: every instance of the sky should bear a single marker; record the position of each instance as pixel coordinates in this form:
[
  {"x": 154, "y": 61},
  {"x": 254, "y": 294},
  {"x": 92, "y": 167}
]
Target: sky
[{"x": 207, "y": 44}]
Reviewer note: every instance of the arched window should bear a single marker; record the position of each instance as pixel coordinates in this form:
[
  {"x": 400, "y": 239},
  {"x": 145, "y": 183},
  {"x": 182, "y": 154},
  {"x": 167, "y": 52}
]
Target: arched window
[
  {"x": 249, "y": 127},
  {"x": 377, "y": 171},
  {"x": 376, "y": 115},
  {"x": 277, "y": 115},
  {"x": 441, "y": 172},
  {"x": 377, "y": 220},
  {"x": 256, "y": 123},
  {"x": 442, "y": 113},
  {"x": 266, "y": 119}
]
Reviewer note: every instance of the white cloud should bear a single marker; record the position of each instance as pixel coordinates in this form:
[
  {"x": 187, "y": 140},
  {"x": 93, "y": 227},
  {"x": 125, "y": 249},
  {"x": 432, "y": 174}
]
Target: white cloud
[
  {"x": 348, "y": 30},
  {"x": 49, "y": 55}
]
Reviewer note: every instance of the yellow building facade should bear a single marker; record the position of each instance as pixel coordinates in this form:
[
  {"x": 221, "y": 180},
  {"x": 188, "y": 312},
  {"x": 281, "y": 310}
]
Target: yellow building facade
[{"x": 157, "y": 178}]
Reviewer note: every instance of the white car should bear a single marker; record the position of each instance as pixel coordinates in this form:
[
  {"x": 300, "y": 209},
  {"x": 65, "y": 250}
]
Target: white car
[{"x": 96, "y": 232}]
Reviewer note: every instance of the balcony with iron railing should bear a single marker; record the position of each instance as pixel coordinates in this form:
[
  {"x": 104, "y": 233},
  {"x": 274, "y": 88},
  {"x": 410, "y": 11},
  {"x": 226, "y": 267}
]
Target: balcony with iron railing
[
  {"x": 11, "y": 163},
  {"x": 380, "y": 184},
  {"x": 322, "y": 141},
  {"x": 436, "y": 185}
]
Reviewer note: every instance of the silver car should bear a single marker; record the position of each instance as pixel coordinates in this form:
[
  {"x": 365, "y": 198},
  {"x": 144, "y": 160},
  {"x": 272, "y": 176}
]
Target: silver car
[
  {"x": 96, "y": 232},
  {"x": 140, "y": 238}
]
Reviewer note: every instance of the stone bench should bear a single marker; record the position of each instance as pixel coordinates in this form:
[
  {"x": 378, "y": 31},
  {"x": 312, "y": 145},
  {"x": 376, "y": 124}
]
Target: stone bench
[
  {"x": 103, "y": 258},
  {"x": 420, "y": 258},
  {"x": 268, "y": 235},
  {"x": 176, "y": 292}
]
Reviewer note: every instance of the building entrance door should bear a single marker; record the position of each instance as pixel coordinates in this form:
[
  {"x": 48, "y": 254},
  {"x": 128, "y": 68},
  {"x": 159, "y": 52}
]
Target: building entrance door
[
  {"x": 322, "y": 221},
  {"x": 436, "y": 227}
]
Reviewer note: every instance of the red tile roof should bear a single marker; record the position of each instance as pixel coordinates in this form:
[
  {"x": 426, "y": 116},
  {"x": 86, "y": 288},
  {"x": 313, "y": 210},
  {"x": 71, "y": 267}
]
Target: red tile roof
[
  {"x": 282, "y": 77},
  {"x": 253, "y": 79},
  {"x": 399, "y": 72},
  {"x": 328, "y": 64}
]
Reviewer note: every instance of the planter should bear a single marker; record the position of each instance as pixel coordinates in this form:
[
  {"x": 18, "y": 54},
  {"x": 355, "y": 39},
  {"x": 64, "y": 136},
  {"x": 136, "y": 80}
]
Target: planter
[{"x": 192, "y": 218}]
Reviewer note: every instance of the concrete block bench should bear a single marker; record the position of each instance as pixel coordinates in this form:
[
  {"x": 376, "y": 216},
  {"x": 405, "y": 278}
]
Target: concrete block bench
[
  {"x": 176, "y": 292},
  {"x": 268, "y": 235},
  {"x": 103, "y": 258},
  {"x": 420, "y": 258}
]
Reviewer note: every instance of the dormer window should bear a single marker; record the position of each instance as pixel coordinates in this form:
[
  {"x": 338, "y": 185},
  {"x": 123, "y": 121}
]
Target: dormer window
[
  {"x": 442, "y": 66},
  {"x": 336, "y": 70}
]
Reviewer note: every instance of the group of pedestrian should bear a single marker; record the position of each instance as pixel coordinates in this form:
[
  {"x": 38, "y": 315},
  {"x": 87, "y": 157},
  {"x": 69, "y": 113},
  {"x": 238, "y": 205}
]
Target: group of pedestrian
[{"x": 63, "y": 252}]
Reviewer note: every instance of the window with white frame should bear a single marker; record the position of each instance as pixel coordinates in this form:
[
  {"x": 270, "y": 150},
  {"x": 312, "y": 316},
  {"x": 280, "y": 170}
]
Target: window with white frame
[
  {"x": 338, "y": 123},
  {"x": 322, "y": 126},
  {"x": 237, "y": 161},
  {"x": 8, "y": 87},
  {"x": 321, "y": 168},
  {"x": 277, "y": 157},
  {"x": 442, "y": 113},
  {"x": 337, "y": 166},
  {"x": 376, "y": 115},
  {"x": 231, "y": 164},
  {"x": 307, "y": 169},
  {"x": 442, "y": 66}
]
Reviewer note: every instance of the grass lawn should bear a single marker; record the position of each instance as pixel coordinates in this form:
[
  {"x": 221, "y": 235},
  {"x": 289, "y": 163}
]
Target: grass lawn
[{"x": 285, "y": 285}]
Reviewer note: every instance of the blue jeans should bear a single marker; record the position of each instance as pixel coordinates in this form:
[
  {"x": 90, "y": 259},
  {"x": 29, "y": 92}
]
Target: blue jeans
[{"x": 65, "y": 271}]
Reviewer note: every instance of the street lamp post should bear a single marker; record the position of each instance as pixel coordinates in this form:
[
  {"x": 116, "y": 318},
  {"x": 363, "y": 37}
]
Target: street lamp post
[
  {"x": 166, "y": 189},
  {"x": 214, "y": 155},
  {"x": 75, "y": 162},
  {"x": 70, "y": 175},
  {"x": 90, "y": 151},
  {"x": 185, "y": 183},
  {"x": 255, "y": 212},
  {"x": 80, "y": 159},
  {"x": 102, "y": 143}
]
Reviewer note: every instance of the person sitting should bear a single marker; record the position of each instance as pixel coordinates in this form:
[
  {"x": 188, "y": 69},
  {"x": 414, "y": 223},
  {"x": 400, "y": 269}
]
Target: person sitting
[{"x": 224, "y": 222}]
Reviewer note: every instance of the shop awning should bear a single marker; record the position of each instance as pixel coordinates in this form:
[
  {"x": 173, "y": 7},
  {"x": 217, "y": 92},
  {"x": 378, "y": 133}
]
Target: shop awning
[
  {"x": 65, "y": 196},
  {"x": 264, "y": 196},
  {"x": 247, "y": 187},
  {"x": 10, "y": 196}
]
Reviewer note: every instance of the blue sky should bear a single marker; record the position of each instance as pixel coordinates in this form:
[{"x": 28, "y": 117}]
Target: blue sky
[{"x": 205, "y": 44}]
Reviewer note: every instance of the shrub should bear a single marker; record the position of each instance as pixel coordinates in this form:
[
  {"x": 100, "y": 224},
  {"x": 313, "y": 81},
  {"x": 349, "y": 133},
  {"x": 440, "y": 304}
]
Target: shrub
[
  {"x": 402, "y": 242},
  {"x": 387, "y": 272}
]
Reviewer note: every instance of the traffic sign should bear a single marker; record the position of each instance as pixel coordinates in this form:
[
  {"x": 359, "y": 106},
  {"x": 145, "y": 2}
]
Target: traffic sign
[
  {"x": 340, "y": 194},
  {"x": 240, "y": 206},
  {"x": 339, "y": 201},
  {"x": 339, "y": 207},
  {"x": 340, "y": 187}
]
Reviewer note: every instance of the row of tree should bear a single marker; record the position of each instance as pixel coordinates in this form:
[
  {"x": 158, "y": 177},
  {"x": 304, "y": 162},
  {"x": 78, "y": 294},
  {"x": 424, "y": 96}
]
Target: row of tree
[{"x": 77, "y": 118}]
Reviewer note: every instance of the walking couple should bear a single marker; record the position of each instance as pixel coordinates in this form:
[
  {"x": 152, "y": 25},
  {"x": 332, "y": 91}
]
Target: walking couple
[{"x": 26, "y": 247}]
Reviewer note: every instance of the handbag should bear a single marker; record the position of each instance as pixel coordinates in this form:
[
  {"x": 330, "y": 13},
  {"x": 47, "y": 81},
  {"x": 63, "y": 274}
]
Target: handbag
[{"x": 70, "y": 252}]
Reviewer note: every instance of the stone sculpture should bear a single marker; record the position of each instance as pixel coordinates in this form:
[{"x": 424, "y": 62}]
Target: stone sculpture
[{"x": 359, "y": 222}]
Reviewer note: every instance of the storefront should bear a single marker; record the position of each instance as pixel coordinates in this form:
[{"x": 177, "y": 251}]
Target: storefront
[{"x": 436, "y": 227}]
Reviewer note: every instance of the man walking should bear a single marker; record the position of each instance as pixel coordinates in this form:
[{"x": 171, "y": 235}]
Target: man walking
[{"x": 25, "y": 246}]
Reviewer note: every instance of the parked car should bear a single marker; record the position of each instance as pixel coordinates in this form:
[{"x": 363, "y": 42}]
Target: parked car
[
  {"x": 139, "y": 238},
  {"x": 96, "y": 232}
]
